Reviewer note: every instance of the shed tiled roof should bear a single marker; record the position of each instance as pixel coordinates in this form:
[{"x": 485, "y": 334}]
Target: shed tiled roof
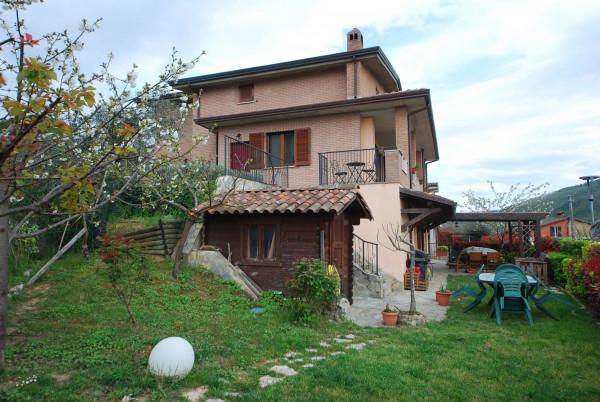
[{"x": 313, "y": 200}]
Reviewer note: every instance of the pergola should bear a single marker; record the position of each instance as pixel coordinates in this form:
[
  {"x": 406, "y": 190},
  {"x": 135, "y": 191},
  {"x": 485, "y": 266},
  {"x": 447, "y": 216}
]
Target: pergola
[{"x": 522, "y": 224}]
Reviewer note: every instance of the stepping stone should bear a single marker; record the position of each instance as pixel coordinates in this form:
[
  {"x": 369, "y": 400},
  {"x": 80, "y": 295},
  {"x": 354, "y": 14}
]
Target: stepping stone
[
  {"x": 371, "y": 341},
  {"x": 233, "y": 394},
  {"x": 324, "y": 344},
  {"x": 337, "y": 353},
  {"x": 357, "y": 346},
  {"x": 214, "y": 400},
  {"x": 317, "y": 358},
  {"x": 292, "y": 354},
  {"x": 338, "y": 340},
  {"x": 267, "y": 380},
  {"x": 284, "y": 370},
  {"x": 194, "y": 395},
  {"x": 350, "y": 336},
  {"x": 298, "y": 360},
  {"x": 311, "y": 350},
  {"x": 308, "y": 365}
]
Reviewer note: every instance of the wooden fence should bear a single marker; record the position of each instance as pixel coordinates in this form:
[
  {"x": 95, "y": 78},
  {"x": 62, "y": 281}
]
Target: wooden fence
[{"x": 159, "y": 239}]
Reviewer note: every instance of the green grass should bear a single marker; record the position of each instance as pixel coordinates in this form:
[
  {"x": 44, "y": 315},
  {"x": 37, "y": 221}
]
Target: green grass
[{"x": 71, "y": 324}]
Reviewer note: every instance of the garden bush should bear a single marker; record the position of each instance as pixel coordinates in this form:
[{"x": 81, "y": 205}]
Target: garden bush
[
  {"x": 555, "y": 265},
  {"x": 572, "y": 247},
  {"x": 442, "y": 248},
  {"x": 314, "y": 290}
]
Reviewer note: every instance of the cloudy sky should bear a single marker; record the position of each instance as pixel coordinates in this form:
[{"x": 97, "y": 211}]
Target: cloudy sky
[{"x": 515, "y": 85}]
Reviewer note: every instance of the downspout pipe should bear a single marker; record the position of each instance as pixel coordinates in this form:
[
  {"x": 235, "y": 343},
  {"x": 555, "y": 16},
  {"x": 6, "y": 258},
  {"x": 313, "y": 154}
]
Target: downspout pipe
[{"x": 410, "y": 126}]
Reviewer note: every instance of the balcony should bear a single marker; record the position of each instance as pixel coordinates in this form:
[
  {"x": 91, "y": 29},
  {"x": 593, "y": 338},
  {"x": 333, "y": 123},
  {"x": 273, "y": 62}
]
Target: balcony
[
  {"x": 248, "y": 162},
  {"x": 360, "y": 166}
]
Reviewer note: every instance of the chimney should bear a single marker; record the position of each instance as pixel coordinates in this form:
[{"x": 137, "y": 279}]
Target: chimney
[{"x": 354, "y": 40}]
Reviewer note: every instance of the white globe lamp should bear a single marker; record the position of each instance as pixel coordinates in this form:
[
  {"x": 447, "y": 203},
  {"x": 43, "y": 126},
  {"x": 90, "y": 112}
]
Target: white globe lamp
[{"x": 171, "y": 357}]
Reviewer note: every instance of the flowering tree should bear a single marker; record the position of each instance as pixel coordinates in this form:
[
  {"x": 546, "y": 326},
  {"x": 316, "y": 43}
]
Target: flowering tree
[{"x": 66, "y": 134}]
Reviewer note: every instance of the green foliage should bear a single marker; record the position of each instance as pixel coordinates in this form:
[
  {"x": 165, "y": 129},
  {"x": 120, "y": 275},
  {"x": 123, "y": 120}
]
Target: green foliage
[
  {"x": 314, "y": 290},
  {"x": 555, "y": 264},
  {"x": 572, "y": 247},
  {"x": 442, "y": 248}
]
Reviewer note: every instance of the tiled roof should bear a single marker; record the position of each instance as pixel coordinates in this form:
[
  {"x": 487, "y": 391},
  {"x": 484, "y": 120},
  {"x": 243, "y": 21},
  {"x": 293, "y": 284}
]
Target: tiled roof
[{"x": 313, "y": 200}]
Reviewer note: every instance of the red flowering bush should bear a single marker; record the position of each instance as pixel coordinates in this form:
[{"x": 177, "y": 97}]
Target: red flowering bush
[
  {"x": 583, "y": 275},
  {"x": 124, "y": 266}
]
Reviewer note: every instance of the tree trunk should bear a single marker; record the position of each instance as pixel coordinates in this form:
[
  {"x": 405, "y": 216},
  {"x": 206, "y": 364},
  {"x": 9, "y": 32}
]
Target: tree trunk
[
  {"x": 4, "y": 251},
  {"x": 84, "y": 244},
  {"x": 179, "y": 247},
  {"x": 413, "y": 300}
]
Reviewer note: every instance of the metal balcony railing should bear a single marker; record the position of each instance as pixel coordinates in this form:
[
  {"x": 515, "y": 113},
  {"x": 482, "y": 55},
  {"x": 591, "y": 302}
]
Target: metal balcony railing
[
  {"x": 365, "y": 255},
  {"x": 352, "y": 166},
  {"x": 251, "y": 163}
]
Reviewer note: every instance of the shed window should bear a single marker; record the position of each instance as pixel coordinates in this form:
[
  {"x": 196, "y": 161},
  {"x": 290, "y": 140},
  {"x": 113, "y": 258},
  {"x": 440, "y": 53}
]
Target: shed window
[
  {"x": 261, "y": 242},
  {"x": 247, "y": 93}
]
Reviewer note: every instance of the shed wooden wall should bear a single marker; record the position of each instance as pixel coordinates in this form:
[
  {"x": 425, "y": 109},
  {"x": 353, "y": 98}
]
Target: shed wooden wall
[{"x": 299, "y": 237}]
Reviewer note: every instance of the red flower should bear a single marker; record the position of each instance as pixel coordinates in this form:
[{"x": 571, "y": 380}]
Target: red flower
[{"x": 28, "y": 40}]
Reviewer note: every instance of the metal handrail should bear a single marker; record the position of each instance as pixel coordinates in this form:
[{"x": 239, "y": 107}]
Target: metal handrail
[
  {"x": 255, "y": 164},
  {"x": 352, "y": 166},
  {"x": 365, "y": 255}
]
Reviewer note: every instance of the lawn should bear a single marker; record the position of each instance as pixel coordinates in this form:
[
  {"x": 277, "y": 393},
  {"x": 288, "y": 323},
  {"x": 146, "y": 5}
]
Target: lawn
[{"x": 72, "y": 335}]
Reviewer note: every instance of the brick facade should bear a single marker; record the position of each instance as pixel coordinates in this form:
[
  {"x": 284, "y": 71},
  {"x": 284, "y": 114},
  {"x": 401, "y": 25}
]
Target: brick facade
[{"x": 328, "y": 133}]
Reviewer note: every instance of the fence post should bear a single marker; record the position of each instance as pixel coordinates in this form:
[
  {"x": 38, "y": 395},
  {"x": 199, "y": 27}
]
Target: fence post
[{"x": 163, "y": 238}]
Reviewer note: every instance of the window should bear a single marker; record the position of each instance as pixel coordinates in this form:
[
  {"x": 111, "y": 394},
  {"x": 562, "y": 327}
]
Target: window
[
  {"x": 261, "y": 242},
  {"x": 281, "y": 147},
  {"x": 555, "y": 231},
  {"x": 246, "y": 93}
]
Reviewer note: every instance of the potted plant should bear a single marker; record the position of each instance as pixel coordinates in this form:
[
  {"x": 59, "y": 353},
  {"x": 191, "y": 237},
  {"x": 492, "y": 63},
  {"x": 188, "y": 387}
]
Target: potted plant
[
  {"x": 442, "y": 296},
  {"x": 390, "y": 317},
  {"x": 415, "y": 168}
]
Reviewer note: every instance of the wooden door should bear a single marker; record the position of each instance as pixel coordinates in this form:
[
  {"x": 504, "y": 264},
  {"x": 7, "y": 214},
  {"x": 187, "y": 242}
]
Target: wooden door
[{"x": 239, "y": 154}]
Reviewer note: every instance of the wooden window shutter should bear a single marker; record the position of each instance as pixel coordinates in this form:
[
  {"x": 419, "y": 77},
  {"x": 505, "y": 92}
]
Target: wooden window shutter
[
  {"x": 302, "y": 148},
  {"x": 257, "y": 148}
]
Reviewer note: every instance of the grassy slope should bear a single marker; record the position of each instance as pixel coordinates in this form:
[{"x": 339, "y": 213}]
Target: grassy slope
[{"x": 77, "y": 328}]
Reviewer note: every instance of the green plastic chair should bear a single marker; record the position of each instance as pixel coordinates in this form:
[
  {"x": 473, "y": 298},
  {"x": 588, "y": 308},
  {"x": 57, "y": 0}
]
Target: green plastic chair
[
  {"x": 468, "y": 289},
  {"x": 510, "y": 292},
  {"x": 546, "y": 297}
]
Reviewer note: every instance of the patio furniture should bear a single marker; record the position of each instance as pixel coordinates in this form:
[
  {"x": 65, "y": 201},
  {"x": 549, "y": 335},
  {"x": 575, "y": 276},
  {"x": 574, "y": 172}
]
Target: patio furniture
[
  {"x": 478, "y": 294},
  {"x": 355, "y": 171},
  {"x": 369, "y": 175},
  {"x": 340, "y": 177},
  {"x": 475, "y": 260},
  {"x": 510, "y": 292},
  {"x": 492, "y": 261},
  {"x": 535, "y": 265},
  {"x": 455, "y": 261},
  {"x": 546, "y": 297}
]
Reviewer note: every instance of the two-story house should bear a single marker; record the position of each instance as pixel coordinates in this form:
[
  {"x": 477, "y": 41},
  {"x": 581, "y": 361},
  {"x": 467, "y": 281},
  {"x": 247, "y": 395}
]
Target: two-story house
[{"x": 332, "y": 121}]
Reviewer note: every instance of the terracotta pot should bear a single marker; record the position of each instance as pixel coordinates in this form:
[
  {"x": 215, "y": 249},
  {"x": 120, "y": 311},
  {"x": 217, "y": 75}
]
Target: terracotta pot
[
  {"x": 443, "y": 298},
  {"x": 390, "y": 319}
]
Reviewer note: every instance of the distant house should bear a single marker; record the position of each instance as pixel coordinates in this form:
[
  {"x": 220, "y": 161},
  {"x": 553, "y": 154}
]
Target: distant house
[{"x": 559, "y": 226}]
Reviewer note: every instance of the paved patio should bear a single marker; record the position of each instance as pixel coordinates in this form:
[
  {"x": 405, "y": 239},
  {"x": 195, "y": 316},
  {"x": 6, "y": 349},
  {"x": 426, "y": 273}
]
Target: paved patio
[{"x": 366, "y": 311}]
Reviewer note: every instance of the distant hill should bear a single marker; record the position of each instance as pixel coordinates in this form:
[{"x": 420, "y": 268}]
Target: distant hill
[{"x": 581, "y": 205}]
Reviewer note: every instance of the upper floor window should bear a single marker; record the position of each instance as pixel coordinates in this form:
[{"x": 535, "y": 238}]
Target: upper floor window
[
  {"x": 281, "y": 146},
  {"x": 246, "y": 93},
  {"x": 555, "y": 231}
]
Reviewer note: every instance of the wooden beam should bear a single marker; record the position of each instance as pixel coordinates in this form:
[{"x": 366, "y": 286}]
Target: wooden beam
[
  {"x": 411, "y": 223},
  {"x": 414, "y": 210}
]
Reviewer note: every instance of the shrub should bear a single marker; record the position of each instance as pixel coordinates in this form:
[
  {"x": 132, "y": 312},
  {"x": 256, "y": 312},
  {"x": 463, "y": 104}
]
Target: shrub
[
  {"x": 550, "y": 244},
  {"x": 442, "y": 248},
  {"x": 572, "y": 247},
  {"x": 574, "y": 275},
  {"x": 555, "y": 265},
  {"x": 124, "y": 267},
  {"x": 314, "y": 289}
]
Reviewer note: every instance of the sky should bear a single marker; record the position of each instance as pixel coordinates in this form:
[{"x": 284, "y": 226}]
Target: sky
[{"x": 515, "y": 85}]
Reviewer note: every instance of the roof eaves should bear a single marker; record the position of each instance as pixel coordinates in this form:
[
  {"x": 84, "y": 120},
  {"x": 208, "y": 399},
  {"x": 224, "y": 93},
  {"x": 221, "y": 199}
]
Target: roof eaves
[{"x": 329, "y": 58}]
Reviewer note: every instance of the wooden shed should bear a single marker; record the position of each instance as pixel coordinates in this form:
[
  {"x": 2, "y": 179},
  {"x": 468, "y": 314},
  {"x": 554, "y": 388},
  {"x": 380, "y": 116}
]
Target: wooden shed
[{"x": 267, "y": 231}]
